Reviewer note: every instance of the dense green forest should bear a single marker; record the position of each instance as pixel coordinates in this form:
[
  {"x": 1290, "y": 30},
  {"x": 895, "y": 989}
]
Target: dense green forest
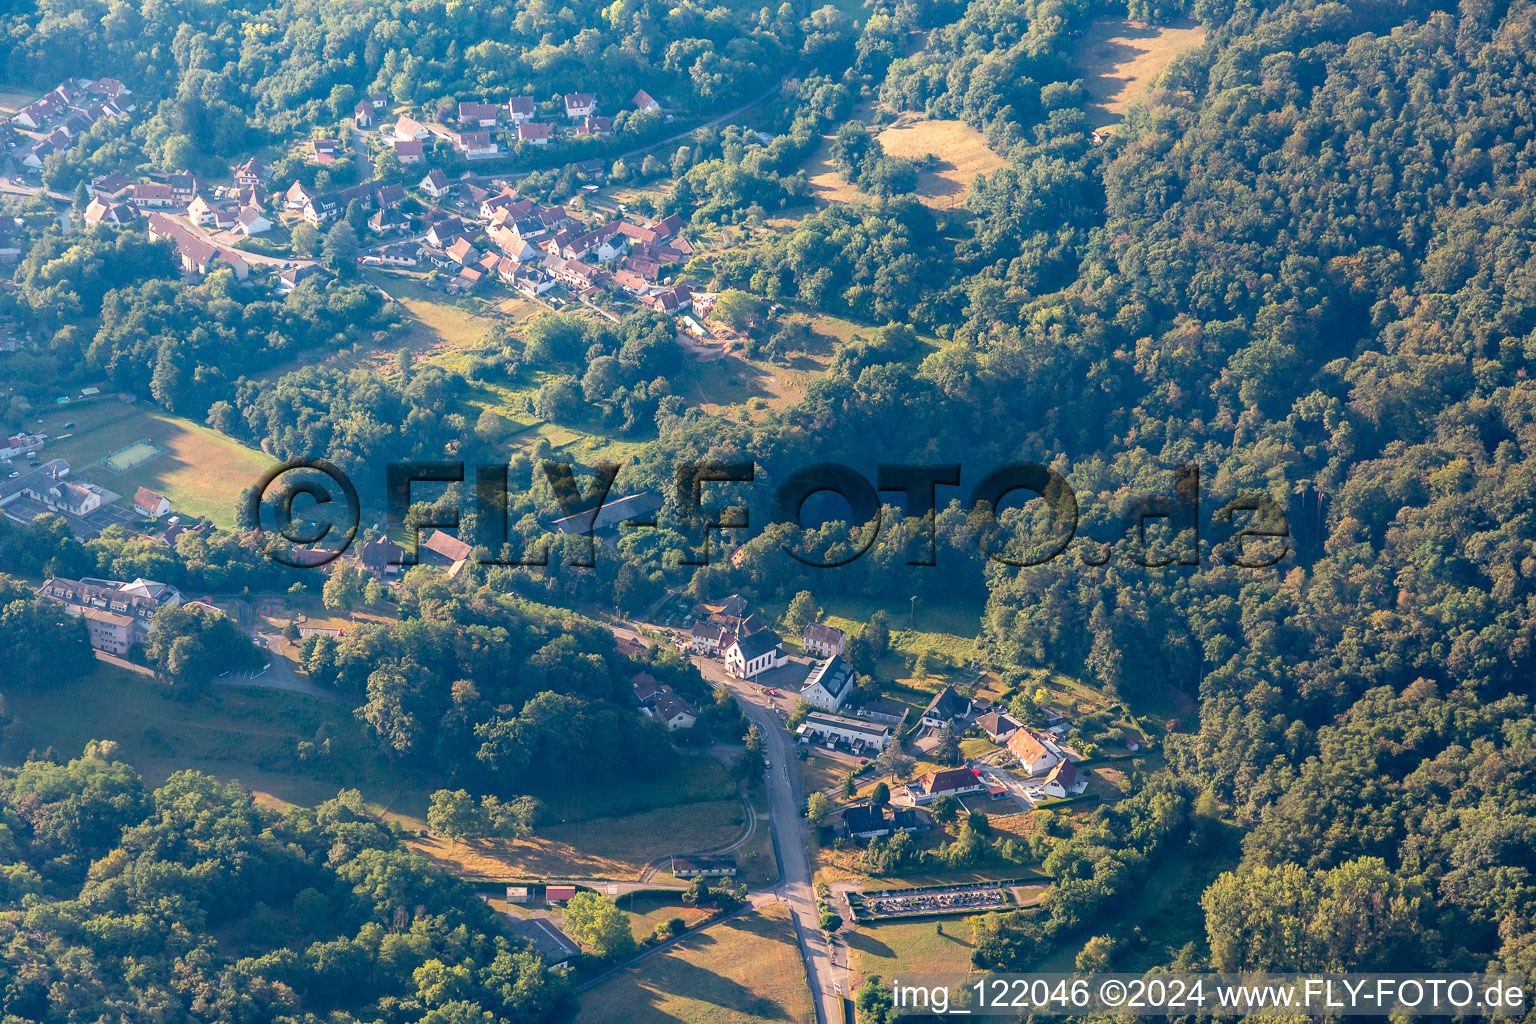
[{"x": 319, "y": 914}]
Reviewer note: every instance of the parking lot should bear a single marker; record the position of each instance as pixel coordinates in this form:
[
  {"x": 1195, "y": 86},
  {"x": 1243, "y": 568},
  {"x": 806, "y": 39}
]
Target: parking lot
[{"x": 24, "y": 510}]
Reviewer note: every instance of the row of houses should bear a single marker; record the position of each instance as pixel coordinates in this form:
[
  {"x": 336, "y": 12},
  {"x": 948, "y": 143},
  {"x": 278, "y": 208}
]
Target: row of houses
[
  {"x": 70, "y": 110},
  {"x": 197, "y": 254},
  {"x": 477, "y": 120}
]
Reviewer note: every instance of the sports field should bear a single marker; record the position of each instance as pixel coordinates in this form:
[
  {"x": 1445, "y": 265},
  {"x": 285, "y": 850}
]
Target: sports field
[
  {"x": 131, "y": 457},
  {"x": 200, "y": 470}
]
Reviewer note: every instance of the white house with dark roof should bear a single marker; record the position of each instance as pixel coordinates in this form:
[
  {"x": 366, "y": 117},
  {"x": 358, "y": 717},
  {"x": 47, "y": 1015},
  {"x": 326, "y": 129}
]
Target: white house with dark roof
[
  {"x": 579, "y": 105},
  {"x": 750, "y": 656},
  {"x": 1064, "y": 781},
  {"x": 829, "y": 684},
  {"x": 949, "y": 782},
  {"x": 435, "y": 184},
  {"x": 998, "y": 725},
  {"x": 946, "y": 706},
  {"x": 521, "y": 109},
  {"x": 672, "y": 711}
]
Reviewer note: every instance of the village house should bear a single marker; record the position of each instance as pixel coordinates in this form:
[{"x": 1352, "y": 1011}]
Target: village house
[
  {"x": 363, "y": 115},
  {"x": 183, "y": 187},
  {"x": 672, "y": 711},
  {"x": 946, "y": 706},
  {"x": 210, "y": 215},
  {"x": 443, "y": 549},
  {"x": 521, "y": 109},
  {"x": 476, "y": 145},
  {"x": 110, "y": 186},
  {"x": 644, "y": 102},
  {"x": 462, "y": 252},
  {"x": 854, "y": 733},
  {"x": 435, "y": 184},
  {"x": 325, "y": 150},
  {"x": 646, "y": 687},
  {"x": 707, "y": 637},
  {"x": 670, "y": 300},
  {"x": 149, "y": 504},
  {"x": 703, "y": 866},
  {"x": 252, "y": 173},
  {"x": 198, "y": 256},
  {"x": 863, "y": 822},
  {"x": 20, "y": 444},
  {"x": 579, "y": 105},
  {"x": 477, "y": 115},
  {"x": 467, "y": 281},
  {"x": 553, "y": 945},
  {"x": 388, "y": 220},
  {"x": 152, "y": 194},
  {"x": 949, "y": 782},
  {"x": 631, "y": 282},
  {"x": 112, "y": 214},
  {"x": 297, "y": 197},
  {"x": 291, "y": 278},
  {"x": 444, "y": 232},
  {"x": 401, "y": 254},
  {"x": 1035, "y": 755},
  {"x": 1064, "y": 781},
  {"x": 535, "y": 134},
  {"x": 750, "y": 656},
  {"x": 252, "y": 221},
  {"x": 381, "y": 557},
  {"x": 409, "y": 153},
  {"x": 640, "y": 507},
  {"x": 997, "y": 725},
  {"x": 829, "y": 685},
  {"x": 595, "y": 125},
  {"x": 822, "y": 640},
  {"x": 409, "y": 129}
]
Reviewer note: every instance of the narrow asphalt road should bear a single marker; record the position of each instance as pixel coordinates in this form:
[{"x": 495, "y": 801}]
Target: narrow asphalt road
[
  {"x": 826, "y": 966},
  {"x": 828, "y": 978}
]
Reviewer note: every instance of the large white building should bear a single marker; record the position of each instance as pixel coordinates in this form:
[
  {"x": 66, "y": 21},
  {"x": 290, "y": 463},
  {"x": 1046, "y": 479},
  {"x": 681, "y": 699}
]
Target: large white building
[
  {"x": 829, "y": 684},
  {"x": 119, "y": 614},
  {"x": 829, "y": 729}
]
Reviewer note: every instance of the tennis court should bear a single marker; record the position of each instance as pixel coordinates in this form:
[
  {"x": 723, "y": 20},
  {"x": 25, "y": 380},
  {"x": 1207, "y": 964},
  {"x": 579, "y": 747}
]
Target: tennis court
[{"x": 131, "y": 457}]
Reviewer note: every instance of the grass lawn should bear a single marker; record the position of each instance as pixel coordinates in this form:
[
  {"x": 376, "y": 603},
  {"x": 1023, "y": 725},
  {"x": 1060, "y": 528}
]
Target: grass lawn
[
  {"x": 1122, "y": 58},
  {"x": 241, "y": 734},
  {"x": 758, "y": 866},
  {"x": 746, "y": 969},
  {"x": 647, "y": 910},
  {"x": 822, "y": 773},
  {"x": 13, "y": 99},
  {"x": 200, "y": 470},
  {"x": 961, "y": 151},
  {"x": 617, "y": 847},
  {"x": 902, "y": 947},
  {"x": 693, "y": 778}
]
